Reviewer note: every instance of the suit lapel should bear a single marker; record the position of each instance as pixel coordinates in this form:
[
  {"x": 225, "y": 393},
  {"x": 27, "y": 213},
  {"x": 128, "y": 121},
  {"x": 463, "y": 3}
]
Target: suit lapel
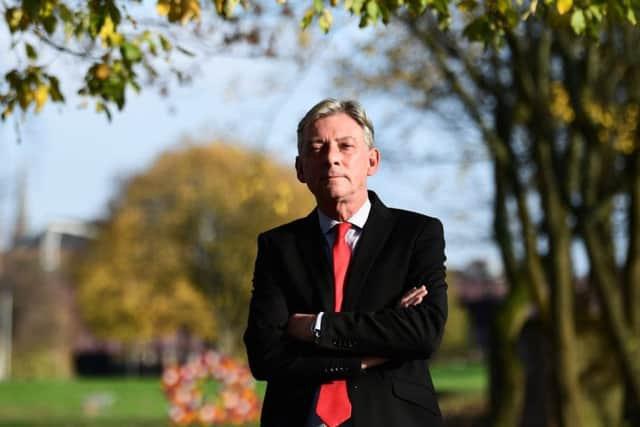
[
  {"x": 375, "y": 233},
  {"x": 311, "y": 245}
]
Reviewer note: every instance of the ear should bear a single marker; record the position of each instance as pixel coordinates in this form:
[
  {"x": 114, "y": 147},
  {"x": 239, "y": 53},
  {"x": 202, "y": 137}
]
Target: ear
[
  {"x": 374, "y": 161},
  {"x": 299, "y": 170}
]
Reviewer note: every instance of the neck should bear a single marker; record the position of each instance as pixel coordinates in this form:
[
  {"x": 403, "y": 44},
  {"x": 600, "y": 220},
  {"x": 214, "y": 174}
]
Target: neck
[{"x": 342, "y": 210}]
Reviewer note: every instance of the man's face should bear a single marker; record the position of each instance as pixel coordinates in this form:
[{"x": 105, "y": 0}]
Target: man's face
[{"x": 335, "y": 159}]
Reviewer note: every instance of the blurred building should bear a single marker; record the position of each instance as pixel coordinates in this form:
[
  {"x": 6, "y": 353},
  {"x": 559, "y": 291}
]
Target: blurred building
[
  {"x": 43, "y": 330},
  {"x": 43, "y": 319}
]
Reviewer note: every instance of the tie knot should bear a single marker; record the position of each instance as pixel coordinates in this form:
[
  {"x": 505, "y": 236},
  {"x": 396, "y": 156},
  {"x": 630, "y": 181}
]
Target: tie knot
[{"x": 341, "y": 230}]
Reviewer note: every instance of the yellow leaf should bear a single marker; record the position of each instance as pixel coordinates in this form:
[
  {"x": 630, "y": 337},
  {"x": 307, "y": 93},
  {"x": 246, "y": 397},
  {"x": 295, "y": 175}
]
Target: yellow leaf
[
  {"x": 40, "y": 95},
  {"x": 14, "y": 16},
  {"x": 325, "y": 21},
  {"x": 108, "y": 34},
  {"x": 163, "y": 7},
  {"x": 190, "y": 11},
  {"x": 106, "y": 31},
  {"x": 563, "y": 6}
]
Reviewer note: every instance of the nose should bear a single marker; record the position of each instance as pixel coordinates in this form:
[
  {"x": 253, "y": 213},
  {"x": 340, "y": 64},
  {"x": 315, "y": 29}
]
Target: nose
[{"x": 333, "y": 154}]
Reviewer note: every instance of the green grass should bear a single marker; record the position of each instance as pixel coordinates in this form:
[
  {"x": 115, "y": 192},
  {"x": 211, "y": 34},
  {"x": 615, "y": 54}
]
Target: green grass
[
  {"x": 82, "y": 403},
  {"x": 460, "y": 377},
  {"x": 141, "y": 402}
]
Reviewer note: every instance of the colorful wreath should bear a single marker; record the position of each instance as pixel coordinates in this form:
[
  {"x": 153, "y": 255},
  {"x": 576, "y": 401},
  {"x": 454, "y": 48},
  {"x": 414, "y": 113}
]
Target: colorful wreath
[{"x": 187, "y": 387}]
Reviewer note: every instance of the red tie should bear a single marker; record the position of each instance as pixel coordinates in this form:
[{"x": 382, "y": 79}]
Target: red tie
[{"x": 334, "y": 406}]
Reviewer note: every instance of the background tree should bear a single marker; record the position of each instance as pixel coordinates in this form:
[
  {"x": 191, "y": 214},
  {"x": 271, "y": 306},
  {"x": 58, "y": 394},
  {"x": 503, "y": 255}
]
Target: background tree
[
  {"x": 178, "y": 247},
  {"x": 558, "y": 116},
  {"x": 119, "y": 43}
]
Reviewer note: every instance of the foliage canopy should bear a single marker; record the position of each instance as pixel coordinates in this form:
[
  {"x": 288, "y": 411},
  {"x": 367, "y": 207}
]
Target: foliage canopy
[
  {"x": 119, "y": 45},
  {"x": 177, "y": 250}
]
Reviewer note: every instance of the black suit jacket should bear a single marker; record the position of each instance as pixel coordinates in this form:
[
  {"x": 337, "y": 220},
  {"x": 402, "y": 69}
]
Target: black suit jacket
[{"x": 396, "y": 251}]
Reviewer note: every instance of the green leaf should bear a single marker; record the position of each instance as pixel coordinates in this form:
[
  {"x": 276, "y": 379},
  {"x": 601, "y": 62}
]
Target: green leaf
[
  {"x": 373, "y": 10},
  {"x": 478, "y": 29},
  {"x": 594, "y": 11},
  {"x": 503, "y": 5},
  {"x": 578, "y": 22},
  {"x": 30, "y": 51},
  {"x": 135, "y": 86},
  {"x": 467, "y": 5},
  {"x": 130, "y": 52},
  {"x": 114, "y": 12},
  {"x": 65, "y": 13},
  {"x": 50, "y": 22},
  {"x": 54, "y": 90},
  {"x": 385, "y": 13},
  {"x": 307, "y": 18},
  {"x": 355, "y": 6},
  {"x": 631, "y": 16},
  {"x": 31, "y": 7},
  {"x": 102, "y": 107},
  {"x": 152, "y": 47},
  {"x": 166, "y": 44}
]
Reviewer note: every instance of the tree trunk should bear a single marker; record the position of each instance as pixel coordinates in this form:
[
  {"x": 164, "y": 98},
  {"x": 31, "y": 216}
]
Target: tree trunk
[{"x": 507, "y": 377}]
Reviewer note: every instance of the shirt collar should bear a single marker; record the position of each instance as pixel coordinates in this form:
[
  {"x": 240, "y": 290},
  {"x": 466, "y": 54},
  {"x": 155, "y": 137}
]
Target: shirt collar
[{"x": 358, "y": 219}]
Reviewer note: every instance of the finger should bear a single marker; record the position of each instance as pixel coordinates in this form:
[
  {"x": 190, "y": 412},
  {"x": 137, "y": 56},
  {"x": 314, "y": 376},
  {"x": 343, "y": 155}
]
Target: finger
[
  {"x": 411, "y": 293},
  {"x": 412, "y": 301},
  {"x": 421, "y": 292},
  {"x": 416, "y": 301},
  {"x": 406, "y": 302},
  {"x": 406, "y": 297}
]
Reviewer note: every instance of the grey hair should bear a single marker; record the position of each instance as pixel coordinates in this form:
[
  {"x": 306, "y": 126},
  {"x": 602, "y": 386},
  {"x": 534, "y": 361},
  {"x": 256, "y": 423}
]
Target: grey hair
[{"x": 328, "y": 107}]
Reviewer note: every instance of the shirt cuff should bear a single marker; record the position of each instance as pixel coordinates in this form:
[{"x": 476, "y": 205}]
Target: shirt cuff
[{"x": 317, "y": 327}]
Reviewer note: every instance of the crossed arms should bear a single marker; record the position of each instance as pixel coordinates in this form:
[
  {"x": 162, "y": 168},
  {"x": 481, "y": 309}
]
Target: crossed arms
[
  {"x": 300, "y": 325},
  {"x": 279, "y": 342}
]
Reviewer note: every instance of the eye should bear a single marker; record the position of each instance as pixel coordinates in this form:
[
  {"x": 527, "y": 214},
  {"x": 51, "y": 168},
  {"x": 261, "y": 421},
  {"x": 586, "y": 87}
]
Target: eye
[{"x": 316, "y": 146}]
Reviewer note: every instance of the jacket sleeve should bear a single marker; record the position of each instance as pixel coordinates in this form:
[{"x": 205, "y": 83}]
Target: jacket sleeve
[
  {"x": 399, "y": 333},
  {"x": 271, "y": 353}
]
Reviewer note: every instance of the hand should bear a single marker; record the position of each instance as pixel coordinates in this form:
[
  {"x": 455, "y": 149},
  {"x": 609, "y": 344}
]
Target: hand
[
  {"x": 300, "y": 325},
  {"x": 413, "y": 297}
]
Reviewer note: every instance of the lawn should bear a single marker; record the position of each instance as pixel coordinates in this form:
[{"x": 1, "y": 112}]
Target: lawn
[{"x": 141, "y": 402}]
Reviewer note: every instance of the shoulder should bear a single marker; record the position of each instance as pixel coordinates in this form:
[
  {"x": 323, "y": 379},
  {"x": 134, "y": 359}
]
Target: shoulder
[
  {"x": 402, "y": 218},
  {"x": 290, "y": 230},
  {"x": 405, "y": 219},
  {"x": 411, "y": 217}
]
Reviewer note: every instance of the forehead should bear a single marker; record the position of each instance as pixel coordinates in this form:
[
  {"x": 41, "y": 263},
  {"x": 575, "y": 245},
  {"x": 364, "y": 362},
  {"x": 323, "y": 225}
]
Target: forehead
[{"x": 335, "y": 126}]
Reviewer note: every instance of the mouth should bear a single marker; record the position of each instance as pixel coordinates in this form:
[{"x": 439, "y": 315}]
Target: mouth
[{"x": 332, "y": 178}]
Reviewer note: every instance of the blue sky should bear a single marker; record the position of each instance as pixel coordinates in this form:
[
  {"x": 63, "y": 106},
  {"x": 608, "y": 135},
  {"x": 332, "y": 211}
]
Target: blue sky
[{"x": 74, "y": 156}]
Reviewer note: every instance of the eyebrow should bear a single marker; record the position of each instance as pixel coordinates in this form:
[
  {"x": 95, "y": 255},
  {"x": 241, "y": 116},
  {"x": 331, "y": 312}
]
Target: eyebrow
[
  {"x": 341, "y": 139},
  {"x": 344, "y": 138}
]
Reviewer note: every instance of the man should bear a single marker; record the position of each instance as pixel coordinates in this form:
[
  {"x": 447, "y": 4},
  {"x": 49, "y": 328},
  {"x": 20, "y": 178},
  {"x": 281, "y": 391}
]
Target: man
[{"x": 349, "y": 302}]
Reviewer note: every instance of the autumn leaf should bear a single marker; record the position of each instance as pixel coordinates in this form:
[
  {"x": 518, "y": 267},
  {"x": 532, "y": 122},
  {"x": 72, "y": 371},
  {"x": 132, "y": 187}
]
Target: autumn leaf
[
  {"x": 40, "y": 96},
  {"x": 163, "y": 7},
  {"x": 563, "y": 6}
]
